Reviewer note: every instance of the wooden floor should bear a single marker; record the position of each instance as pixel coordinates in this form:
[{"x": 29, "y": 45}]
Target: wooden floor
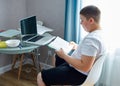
[{"x": 28, "y": 78}]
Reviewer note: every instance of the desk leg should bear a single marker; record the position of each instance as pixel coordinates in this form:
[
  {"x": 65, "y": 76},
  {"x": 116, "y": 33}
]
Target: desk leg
[
  {"x": 37, "y": 60},
  {"x": 14, "y": 60},
  {"x": 20, "y": 67}
]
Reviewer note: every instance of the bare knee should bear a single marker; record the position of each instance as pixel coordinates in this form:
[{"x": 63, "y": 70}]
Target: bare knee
[{"x": 39, "y": 80}]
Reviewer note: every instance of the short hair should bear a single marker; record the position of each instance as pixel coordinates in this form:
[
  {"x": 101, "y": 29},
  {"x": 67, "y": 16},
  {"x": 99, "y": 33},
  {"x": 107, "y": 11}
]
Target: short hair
[{"x": 91, "y": 11}]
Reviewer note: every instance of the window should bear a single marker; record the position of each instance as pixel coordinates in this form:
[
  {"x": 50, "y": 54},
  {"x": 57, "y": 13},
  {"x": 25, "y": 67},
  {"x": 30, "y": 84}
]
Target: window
[{"x": 110, "y": 17}]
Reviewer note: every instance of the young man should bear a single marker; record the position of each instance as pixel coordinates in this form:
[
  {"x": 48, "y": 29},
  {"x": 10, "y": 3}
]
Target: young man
[{"x": 73, "y": 69}]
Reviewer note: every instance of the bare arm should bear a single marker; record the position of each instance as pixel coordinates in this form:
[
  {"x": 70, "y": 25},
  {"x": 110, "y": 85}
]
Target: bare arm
[{"x": 84, "y": 64}]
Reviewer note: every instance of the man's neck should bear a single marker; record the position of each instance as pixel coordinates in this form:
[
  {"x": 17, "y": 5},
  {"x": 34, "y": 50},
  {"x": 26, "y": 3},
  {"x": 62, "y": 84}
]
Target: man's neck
[{"x": 95, "y": 27}]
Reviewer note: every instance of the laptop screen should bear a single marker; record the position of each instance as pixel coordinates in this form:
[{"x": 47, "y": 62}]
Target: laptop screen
[{"x": 28, "y": 26}]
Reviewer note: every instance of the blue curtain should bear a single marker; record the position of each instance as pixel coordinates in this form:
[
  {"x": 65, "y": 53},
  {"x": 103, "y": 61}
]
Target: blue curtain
[{"x": 72, "y": 23}]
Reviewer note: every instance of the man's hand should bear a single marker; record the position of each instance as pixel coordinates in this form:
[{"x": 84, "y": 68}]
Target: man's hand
[
  {"x": 60, "y": 53},
  {"x": 74, "y": 45}
]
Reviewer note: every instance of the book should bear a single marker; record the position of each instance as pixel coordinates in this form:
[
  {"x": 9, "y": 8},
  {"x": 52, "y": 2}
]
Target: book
[
  {"x": 10, "y": 33},
  {"x": 58, "y": 43},
  {"x": 42, "y": 29}
]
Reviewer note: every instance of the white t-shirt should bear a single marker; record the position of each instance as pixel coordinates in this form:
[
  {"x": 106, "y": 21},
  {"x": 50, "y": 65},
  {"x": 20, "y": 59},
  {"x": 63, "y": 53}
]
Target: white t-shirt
[{"x": 92, "y": 45}]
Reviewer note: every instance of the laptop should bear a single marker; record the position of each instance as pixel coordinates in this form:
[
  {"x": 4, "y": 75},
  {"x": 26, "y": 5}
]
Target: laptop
[{"x": 29, "y": 32}]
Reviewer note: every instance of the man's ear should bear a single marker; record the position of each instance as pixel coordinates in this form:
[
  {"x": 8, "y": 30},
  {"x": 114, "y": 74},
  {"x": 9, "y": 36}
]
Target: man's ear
[{"x": 91, "y": 20}]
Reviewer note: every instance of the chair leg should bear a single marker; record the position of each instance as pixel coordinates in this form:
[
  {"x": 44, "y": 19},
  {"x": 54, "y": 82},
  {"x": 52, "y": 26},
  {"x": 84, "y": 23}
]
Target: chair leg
[{"x": 20, "y": 67}]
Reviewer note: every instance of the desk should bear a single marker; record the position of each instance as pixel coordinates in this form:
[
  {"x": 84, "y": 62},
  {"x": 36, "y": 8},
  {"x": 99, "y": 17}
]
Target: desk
[{"x": 26, "y": 49}]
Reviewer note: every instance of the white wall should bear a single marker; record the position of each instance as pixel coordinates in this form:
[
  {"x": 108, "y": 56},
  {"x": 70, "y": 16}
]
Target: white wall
[
  {"x": 51, "y": 12},
  {"x": 11, "y": 11}
]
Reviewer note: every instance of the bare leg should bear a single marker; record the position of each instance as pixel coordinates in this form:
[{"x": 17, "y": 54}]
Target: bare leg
[{"x": 39, "y": 80}]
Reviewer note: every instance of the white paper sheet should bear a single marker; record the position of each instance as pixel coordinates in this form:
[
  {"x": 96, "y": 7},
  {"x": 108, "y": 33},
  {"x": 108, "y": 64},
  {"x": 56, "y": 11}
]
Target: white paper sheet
[
  {"x": 42, "y": 29},
  {"x": 60, "y": 43}
]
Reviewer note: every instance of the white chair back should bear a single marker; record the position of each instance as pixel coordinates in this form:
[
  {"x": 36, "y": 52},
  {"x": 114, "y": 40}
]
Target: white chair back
[{"x": 95, "y": 72}]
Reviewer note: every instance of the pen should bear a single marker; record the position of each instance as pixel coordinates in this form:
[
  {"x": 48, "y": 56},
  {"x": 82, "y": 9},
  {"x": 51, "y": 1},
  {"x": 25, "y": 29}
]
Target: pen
[{"x": 20, "y": 46}]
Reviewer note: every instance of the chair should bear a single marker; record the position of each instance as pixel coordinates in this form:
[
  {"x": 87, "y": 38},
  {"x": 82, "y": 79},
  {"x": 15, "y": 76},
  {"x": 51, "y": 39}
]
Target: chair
[{"x": 95, "y": 72}]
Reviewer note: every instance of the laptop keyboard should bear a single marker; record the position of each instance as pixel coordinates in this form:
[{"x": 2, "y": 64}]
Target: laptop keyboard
[
  {"x": 35, "y": 38},
  {"x": 27, "y": 37}
]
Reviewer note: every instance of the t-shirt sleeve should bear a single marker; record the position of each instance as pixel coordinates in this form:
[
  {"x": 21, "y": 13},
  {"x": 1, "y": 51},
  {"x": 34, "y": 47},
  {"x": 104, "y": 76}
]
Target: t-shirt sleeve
[{"x": 90, "y": 47}]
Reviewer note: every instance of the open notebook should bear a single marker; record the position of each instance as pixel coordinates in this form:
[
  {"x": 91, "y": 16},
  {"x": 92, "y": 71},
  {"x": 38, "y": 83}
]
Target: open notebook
[{"x": 58, "y": 43}]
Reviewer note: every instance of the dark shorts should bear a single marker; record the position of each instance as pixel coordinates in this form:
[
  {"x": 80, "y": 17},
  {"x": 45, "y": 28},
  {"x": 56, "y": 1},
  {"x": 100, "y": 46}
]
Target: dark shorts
[{"x": 62, "y": 75}]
